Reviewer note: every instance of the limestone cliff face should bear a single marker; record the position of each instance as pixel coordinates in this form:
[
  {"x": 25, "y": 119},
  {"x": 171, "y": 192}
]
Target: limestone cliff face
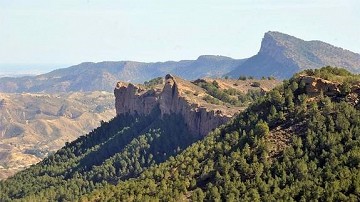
[
  {"x": 200, "y": 120},
  {"x": 275, "y": 49},
  {"x": 173, "y": 98},
  {"x": 133, "y": 99}
]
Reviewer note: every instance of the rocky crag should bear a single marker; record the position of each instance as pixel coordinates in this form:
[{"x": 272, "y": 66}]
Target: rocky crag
[
  {"x": 178, "y": 96},
  {"x": 315, "y": 86},
  {"x": 174, "y": 96}
]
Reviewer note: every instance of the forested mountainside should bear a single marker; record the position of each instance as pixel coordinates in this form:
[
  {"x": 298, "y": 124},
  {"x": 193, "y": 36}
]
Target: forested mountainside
[
  {"x": 151, "y": 126},
  {"x": 282, "y": 55},
  {"x": 300, "y": 142},
  {"x": 102, "y": 76},
  {"x": 34, "y": 125}
]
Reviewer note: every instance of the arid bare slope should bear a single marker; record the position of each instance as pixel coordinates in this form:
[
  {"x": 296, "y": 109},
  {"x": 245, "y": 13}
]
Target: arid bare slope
[{"x": 33, "y": 125}]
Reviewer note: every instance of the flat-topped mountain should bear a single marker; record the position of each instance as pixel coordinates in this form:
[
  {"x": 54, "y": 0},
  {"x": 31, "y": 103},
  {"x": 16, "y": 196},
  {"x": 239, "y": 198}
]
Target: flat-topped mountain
[
  {"x": 90, "y": 76},
  {"x": 282, "y": 55}
]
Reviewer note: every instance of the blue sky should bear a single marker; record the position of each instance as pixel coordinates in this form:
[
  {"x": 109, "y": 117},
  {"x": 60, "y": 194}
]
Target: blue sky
[{"x": 74, "y": 31}]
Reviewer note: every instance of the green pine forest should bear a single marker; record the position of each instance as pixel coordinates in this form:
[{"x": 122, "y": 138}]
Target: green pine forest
[{"x": 286, "y": 146}]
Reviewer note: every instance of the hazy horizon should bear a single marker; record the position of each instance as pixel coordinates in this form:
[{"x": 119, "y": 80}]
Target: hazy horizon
[
  {"x": 16, "y": 69},
  {"x": 72, "y": 32}
]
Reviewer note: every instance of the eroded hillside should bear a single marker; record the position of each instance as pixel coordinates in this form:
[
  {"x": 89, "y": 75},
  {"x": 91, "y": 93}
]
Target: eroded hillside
[{"x": 34, "y": 125}]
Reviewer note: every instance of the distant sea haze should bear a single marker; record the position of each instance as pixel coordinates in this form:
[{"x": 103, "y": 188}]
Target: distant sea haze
[{"x": 27, "y": 69}]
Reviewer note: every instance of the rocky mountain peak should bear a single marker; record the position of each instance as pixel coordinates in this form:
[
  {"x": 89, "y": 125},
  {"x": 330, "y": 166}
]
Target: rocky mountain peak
[
  {"x": 281, "y": 37},
  {"x": 276, "y": 42},
  {"x": 169, "y": 76},
  {"x": 2, "y": 103},
  {"x": 275, "y": 45},
  {"x": 282, "y": 55}
]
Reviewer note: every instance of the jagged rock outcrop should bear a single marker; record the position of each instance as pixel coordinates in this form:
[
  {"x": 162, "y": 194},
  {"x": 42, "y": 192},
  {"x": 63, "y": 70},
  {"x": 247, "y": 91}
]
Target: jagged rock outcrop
[
  {"x": 2, "y": 103},
  {"x": 200, "y": 120},
  {"x": 175, "y": 96},
  {"x": 316, "y": 85},
  {"x": 134, "y": 99}
]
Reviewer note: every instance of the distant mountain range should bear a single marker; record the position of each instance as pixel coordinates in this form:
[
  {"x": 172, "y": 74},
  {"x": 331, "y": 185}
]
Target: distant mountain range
[
  {"x": 104, "y": 75},
  {"x": 280, "y": 55},
  {"x": 16, "y": 75}
]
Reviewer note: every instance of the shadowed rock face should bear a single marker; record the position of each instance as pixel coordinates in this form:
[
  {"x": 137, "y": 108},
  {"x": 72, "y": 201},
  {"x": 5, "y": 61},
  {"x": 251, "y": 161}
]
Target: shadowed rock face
[
  {"x": 170, "y": 98},
  {"x": 132, "y": 99},
  {"x": 200, "y": 120}
]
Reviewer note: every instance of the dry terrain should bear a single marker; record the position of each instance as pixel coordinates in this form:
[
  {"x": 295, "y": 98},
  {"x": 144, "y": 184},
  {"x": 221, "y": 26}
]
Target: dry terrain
[{"x": 34, "y": 125}]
